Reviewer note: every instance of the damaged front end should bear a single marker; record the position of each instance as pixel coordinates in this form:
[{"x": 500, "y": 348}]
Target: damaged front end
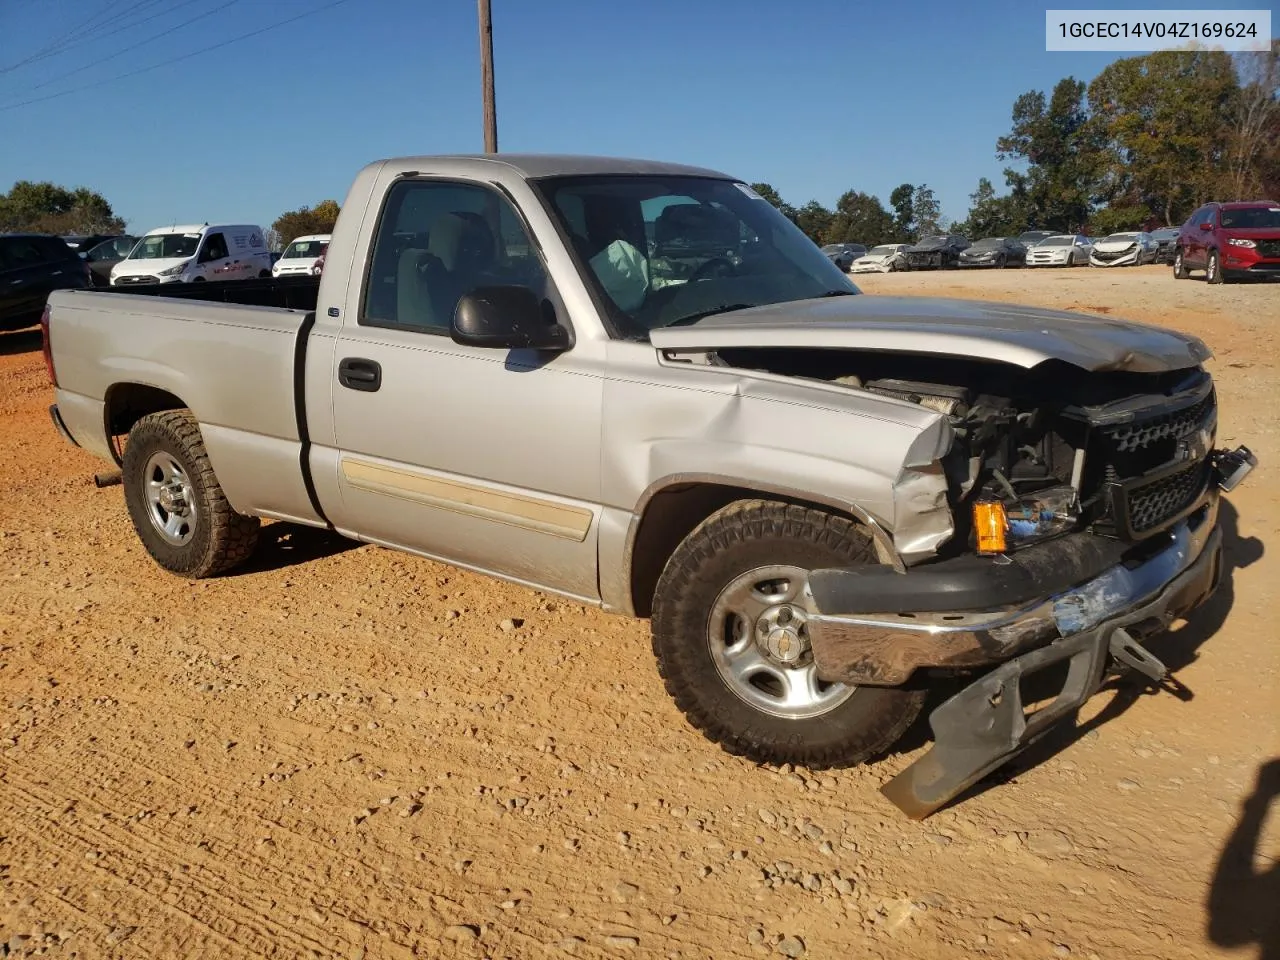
[{"x": 1054, "y": 516}]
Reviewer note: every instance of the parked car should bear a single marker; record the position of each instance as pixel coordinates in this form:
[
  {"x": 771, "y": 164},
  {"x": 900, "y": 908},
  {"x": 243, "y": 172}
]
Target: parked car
[
  {"x": 843, "y": 254},
  {"x": 1029, "y": 238},
  {"x": 82, "y": 244},
  {"x": 884, "y": 258},
  {"x": 103, "y": 257},
  {"x": 31, "y": 267},
  {"x": 936, "y": 253},
  {"x": 1166, "y": 239},
  {"x": 1061, "y": 250},
  {"x": 189, "y": 254},
  {"x": 1230, "y": 241},
  {"x": 994, "y": 252},
  {"x": 301, "y": 256},
  {"x": 683, "y": 453},
  {"x": 1130, "y": 249}
]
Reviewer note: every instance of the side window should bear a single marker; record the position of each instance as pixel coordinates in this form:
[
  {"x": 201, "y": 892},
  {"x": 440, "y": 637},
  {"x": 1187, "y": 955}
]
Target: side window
[
  {"x": 437, "y": 241},
  {"x": 24, "y": 252},
  {"x": 215, "y": 248}
]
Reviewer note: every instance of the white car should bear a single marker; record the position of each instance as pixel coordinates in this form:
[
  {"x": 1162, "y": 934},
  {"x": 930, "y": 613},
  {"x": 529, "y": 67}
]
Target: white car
[
  {"x": 301, "y": 255},
  {"x": 1061, "y": 250},
  {"x": 1130, "y": 249},
  {"x": 190, "y": 254},
  {"x": 885, "y": 258}
]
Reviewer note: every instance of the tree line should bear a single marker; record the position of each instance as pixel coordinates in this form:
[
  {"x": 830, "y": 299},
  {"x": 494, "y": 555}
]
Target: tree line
[{"x": 1139, "y": 147}]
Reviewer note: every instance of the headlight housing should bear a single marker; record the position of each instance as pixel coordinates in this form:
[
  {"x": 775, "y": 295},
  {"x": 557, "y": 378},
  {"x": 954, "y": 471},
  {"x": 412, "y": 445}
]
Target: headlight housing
[
  {"x": 1240, "y": 242},
  {"x": 175, "y": 270},
  {"x": 1001, "y": 525}
]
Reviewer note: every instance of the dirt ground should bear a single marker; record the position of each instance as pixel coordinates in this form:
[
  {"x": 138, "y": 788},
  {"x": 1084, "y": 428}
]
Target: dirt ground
[{"x": 345, "y": 752}]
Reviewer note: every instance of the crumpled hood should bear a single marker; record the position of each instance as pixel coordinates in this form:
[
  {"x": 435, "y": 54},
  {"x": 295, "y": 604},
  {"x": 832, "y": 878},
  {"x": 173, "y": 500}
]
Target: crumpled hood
[
  {"x": 1113, "y": 246},
  {"x": 1023, "y": 336}
]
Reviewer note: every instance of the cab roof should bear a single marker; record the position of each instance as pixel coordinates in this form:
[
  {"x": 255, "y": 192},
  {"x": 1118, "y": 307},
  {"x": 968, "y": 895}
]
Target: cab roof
[{"x": 533, "y": 166}]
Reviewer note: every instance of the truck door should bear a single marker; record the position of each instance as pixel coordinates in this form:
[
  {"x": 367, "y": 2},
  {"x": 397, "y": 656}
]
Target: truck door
[{"x": 486, "y": 458}]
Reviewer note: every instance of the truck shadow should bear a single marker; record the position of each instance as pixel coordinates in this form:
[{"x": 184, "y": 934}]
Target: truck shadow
[
  {"x": 1245, "y": 890},
  {"x": 1176, "y": 649},
  {"x": 282, "y": 545},
  {"x": 20, "y": 341}
]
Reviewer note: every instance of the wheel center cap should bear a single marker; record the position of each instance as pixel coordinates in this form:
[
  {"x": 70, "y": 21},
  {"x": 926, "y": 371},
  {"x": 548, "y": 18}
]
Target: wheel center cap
[{"x": 784, "y": 644}]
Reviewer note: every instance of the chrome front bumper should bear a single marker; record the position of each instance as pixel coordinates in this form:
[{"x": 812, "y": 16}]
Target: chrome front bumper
[
  {"x": 886, "y": 649},
  {"x": 1093, "y": 627}
]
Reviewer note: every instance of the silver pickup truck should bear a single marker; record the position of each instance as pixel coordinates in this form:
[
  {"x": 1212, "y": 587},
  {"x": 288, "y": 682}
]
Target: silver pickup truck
[{"x": 640, "y": 386}]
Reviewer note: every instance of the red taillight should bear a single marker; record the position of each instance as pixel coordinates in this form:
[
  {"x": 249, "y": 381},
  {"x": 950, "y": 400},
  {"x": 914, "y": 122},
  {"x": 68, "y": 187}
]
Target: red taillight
[{"x": 48, "y": 347}]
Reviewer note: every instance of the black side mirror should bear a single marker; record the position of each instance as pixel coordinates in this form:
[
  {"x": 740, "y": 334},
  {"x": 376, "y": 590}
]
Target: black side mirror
[{"x": 507, "y": 317}]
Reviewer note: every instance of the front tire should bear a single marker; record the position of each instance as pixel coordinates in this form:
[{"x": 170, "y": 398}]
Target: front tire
[
  {"x": 1213, "y": 268},
  {"x": 175, "y": 502},
  {"x": 729, "y": 637}
]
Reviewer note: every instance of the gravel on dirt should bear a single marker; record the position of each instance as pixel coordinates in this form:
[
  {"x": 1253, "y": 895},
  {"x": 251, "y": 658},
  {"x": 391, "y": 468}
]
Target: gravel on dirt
[{"x": 206, "y": 769}]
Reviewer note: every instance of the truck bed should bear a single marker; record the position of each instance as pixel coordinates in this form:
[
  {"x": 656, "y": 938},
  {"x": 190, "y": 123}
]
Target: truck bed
[
  {"x": 229, "y": 351},
  {"x": 293, "y": 293}
]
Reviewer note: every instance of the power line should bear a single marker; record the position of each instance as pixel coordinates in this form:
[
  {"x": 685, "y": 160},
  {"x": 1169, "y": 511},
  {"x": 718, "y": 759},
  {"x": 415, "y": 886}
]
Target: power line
[
  {"x": 126, "y": 24},
  {"x": 77, "y": 32},
  {"x": 171, "y": 60},
  {"x": 140, "y": 43}
]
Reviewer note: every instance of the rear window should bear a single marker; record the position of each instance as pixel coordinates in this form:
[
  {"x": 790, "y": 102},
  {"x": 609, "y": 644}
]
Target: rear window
[{"x": 1252, "y": 218}]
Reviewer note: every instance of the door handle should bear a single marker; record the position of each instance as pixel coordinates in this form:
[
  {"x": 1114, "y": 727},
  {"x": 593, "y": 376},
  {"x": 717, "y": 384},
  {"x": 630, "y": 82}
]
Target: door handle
[{"x": 357, "y": 373}]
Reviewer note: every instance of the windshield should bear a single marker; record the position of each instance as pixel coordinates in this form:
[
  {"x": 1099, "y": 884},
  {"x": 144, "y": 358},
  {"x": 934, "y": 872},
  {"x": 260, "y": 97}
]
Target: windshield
[
  {"x": 1120, "y": 238},
  {"x": 987, "y": 243},
  {"x": 661, "y": 250},
  {"x": 1057, "y": 241},
  {"x": 163, "y": 246},
  {"x": 883, "y": 250},
  {"x": 1252, "y": 218},
  {"x": 303, "y": 249}
]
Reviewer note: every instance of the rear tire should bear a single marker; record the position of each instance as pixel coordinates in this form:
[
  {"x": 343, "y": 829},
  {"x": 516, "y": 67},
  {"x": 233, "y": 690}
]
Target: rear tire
[
  {"x": 728, "y": 620},
  {"x": 175, "y": 502},
  {"x": 1180, "y": 271}
]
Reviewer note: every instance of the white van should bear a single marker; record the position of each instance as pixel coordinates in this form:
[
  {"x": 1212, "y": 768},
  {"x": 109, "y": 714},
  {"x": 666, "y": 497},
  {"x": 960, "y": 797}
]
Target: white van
[
  {"x": 300, "y": 256},
  {"x": 183, "y": 254}
]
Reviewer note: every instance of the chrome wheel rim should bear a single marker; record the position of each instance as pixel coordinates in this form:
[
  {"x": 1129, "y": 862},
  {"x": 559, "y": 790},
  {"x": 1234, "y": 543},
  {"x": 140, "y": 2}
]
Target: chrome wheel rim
[
  {"x": 759, "y": 642},
  {"x": 170, "y": 498},
  {"x": 1212, "y": 267}
]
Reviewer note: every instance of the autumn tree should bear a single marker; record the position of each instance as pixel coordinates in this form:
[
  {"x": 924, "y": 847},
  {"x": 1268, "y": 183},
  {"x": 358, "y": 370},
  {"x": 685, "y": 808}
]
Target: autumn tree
[
  {"x": 306, "y": 220},
  {"x": 1253, "y": 145},
  {"x": 49, "y": 208},
  {"x": 1165, "y": 120}
]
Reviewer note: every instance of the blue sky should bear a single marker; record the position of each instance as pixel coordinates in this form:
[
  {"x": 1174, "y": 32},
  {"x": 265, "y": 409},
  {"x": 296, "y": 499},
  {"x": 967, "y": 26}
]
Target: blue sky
[{"x": 813, "y": 96}]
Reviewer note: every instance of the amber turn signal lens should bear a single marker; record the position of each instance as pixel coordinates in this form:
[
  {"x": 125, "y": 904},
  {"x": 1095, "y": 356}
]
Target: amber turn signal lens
[{"x": 991, "y": 525}]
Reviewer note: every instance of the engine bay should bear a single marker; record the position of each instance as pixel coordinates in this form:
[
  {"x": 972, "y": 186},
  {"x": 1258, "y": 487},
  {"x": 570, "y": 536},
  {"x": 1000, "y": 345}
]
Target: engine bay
[{"x": 1059, "y": 447}]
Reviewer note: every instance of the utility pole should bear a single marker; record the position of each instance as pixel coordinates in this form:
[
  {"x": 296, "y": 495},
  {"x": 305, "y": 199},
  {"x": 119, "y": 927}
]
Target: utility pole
[{"x": 486, "y": 79}]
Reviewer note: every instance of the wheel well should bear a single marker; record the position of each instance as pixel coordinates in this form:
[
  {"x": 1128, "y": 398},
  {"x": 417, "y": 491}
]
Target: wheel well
[
  {"x": 670, "y": 516},
  {"x": 127, "y": 403}
]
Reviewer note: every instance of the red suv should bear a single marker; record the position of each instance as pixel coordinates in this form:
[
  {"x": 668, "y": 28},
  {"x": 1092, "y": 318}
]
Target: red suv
[{"x": 1230, "y": 240}]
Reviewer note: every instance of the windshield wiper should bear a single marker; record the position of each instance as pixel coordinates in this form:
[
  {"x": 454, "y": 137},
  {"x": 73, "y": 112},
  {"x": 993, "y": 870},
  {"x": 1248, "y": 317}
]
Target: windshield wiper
[
  {"x": 838, "y": 293},
  {"x": 723, "y": 308}
]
